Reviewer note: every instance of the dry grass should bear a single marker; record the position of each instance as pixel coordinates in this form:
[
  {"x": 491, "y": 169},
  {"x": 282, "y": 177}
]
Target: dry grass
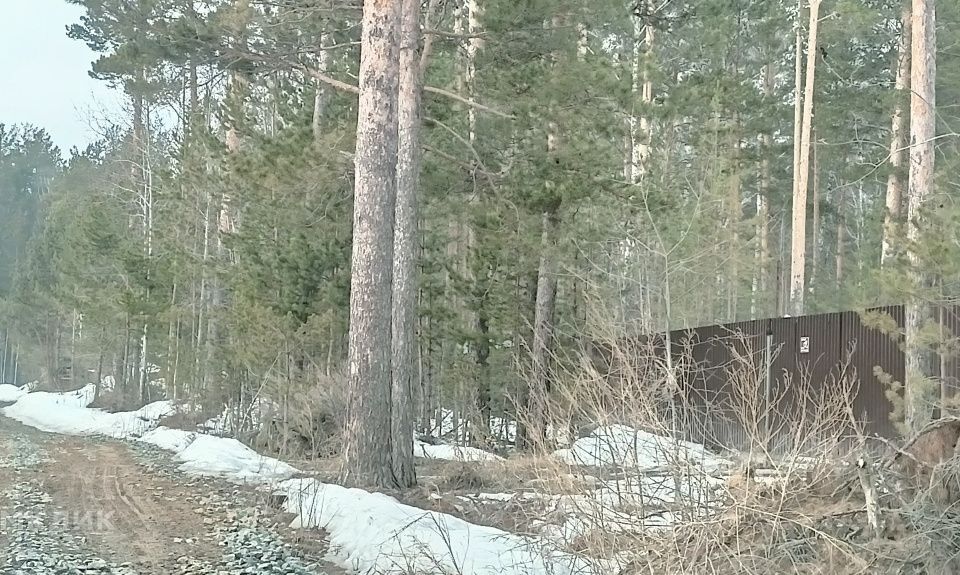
[{"x": 803, "y": 496}]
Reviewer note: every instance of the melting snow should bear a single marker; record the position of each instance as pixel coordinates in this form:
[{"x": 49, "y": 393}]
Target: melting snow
[
  {"x": 68, "y": 413},
  {"x": 452, "y": 452},
  {"x": 9, "y": 393},
  {"x": 369, "y": 532},
  {"x": 373, "y": 533},
  {"x": 623, "y": 446}
]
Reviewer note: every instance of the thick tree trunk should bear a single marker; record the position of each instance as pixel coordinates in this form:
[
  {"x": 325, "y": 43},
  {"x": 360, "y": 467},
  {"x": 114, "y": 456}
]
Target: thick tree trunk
[
  {"x": 798, "y": 249},
  {"x": 367, "y": 450},
  {"x": 405, "y": 240},
  {"x": 898, "y": 138},
  {"x": 918, "y": 391}
]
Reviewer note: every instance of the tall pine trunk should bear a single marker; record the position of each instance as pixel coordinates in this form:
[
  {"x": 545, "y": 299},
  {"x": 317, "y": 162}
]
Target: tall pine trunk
[
  {"x": 898, "y": 138},
  {"x": 762, "y": 278},
  {"x": 406, "y": 250},
  {"x": 798, "y": 250},
  {"x": 918, "y": 396},
  {"x": 367, "y": 450}
]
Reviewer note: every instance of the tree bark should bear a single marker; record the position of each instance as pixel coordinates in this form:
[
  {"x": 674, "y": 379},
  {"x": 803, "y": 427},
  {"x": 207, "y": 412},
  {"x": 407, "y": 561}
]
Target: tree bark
[
  {"x": 542, "y": 345},
  {"x": 321, "y": 96},
  {"x": 238, "y": 81},
  {"x": 734, "y": 213},
  {"x": 898, "y": 139},
  {"x": 815, "y": 219},
  {"x": 642, "y": 86},
  {"x": 841, "y": 235},
  {"x": 367, "y": 452},
  {"x": 918, "y": 396},
  {"x": 802, "y": 174},
  {"x": 763, "y": 201},
  {"x": 405, "y": 242}
]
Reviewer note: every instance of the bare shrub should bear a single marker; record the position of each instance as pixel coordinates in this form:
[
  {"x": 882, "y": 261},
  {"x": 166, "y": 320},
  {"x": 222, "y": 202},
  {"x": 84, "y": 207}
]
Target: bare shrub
[
  {"x": 305, "y": 419},
  {"x": 784, "y": 484}
]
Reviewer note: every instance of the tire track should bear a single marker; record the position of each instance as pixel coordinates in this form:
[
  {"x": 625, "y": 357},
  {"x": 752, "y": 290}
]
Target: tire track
[{"x": 116, "y": 505}]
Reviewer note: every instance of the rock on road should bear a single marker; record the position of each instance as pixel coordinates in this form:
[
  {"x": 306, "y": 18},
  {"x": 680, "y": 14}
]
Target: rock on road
[{"x": 87, "y": 505}]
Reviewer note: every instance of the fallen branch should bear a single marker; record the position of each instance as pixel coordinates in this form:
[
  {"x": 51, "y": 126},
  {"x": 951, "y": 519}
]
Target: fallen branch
[{"x": 870, "y": 496}]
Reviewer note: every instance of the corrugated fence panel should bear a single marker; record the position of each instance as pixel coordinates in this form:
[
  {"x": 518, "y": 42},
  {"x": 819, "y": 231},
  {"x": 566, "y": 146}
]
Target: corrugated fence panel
[
  {"x": 876, "y": 356},
  {"x": 950, "y": 361},
  {"x": 722, "y": 369}
]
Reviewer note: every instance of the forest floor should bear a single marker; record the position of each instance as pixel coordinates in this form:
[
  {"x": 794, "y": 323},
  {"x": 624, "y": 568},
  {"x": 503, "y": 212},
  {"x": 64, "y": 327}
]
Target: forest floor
[
  {"x": 98, "y": 505},
  {"x": 119, "y": 493}
]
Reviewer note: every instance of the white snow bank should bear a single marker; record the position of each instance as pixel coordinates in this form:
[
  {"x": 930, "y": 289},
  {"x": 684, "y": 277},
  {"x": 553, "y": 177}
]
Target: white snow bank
[
  {"x": 175, "y": 440},
  {"x": 452, "y": 452},
  {"x": 373, "y": 533},
  {"x": 624, "y": 446},
  {"x": 204, "y": 454},
  {"x": 68, "y": 413},
  {"x": 10, "y": 393},
  {"x": 225, "y": 457}
]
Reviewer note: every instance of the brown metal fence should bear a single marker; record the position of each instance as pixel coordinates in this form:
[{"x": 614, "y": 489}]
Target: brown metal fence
[{"x": 739, "y": 379}]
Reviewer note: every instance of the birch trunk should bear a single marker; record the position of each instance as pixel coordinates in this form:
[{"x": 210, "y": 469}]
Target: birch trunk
[
  {"x": 367, "y": 450},
  {"x": 898, "y": 139},
  {"x": 798, "y": 249},
  {"x": 918, "y": 396},
  {"x": 642, "y": 87}
]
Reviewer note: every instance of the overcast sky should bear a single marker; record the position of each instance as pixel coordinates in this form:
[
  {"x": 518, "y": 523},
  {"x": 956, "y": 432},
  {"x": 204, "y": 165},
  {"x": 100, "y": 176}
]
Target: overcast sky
[{"x": 43, "y": 74}]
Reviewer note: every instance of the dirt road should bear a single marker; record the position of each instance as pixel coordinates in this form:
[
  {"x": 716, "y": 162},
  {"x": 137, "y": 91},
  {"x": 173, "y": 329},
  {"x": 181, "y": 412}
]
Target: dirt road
[{"x": 76, "y": 505}]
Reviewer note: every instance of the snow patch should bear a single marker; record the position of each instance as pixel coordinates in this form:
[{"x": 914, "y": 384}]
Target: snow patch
[
  {"x": 10, "y": 393},
  {"x": 374, "y": 533},
  {"x": 452, "y": 452},
  {"x": 624, "y": 446},
  {"x": 68, "y": 413},
  {"x": 175, "y": 440},
  {"x": 228, "y": 458}
]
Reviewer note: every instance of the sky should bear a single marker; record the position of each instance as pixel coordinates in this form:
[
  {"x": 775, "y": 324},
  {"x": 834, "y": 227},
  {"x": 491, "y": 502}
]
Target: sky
[{"x": 43, "y": 74}]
